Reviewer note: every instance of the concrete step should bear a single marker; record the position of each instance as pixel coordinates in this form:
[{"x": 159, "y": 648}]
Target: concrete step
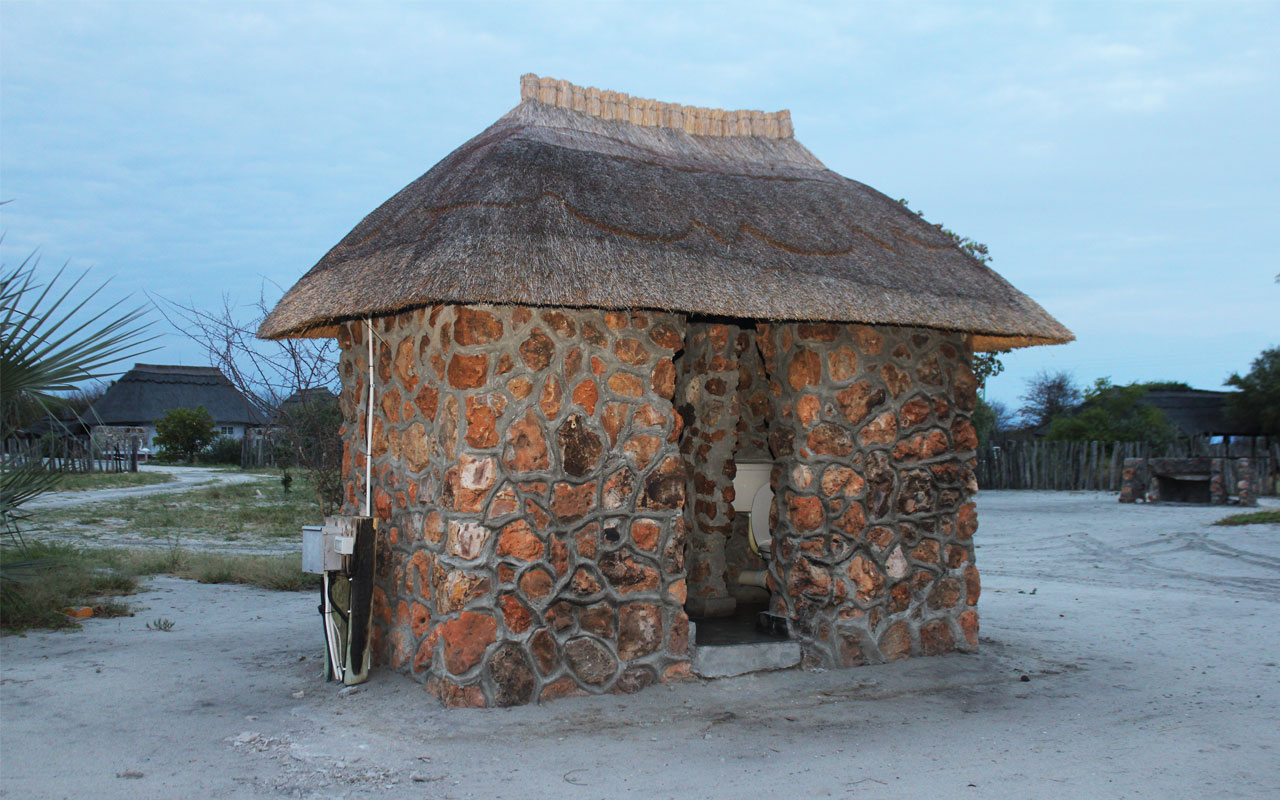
[{"x": 728, "y": 660}]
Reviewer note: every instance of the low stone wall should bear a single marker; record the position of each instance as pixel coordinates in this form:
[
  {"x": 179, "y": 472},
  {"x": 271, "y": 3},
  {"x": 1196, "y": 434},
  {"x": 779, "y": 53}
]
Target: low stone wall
[
  {"x": 1148, "y": 479},
  {"x": 529, "y": 494}
]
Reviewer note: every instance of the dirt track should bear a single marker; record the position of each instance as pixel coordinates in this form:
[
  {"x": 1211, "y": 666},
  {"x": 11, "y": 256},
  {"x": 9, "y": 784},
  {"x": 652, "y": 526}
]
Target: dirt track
[{"x": 1148, "y": 640}]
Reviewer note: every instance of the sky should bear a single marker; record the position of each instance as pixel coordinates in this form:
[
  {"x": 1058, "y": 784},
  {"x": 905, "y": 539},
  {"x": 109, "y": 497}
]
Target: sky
[{"x": 1121, "y": 160}]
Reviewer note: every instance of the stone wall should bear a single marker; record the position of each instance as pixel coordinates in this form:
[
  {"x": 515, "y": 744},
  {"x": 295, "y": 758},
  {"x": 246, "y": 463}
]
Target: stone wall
[
  {"x": 873, "y": 552},
  {"x": 1151, "y": 479},
  {"x": 707, "y": 401},
  {"x": 529, "y": 494}
]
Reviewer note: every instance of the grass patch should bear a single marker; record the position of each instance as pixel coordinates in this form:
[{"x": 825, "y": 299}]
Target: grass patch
[
  {"x": 83, "y": 481},
  {"x": 1255, "y": 518},
  {"x": 65, "y": 576},
  {"x": 281, "y": 573},
  {"x": 47, "y": 578},
  {"x": 252, "y": 511}
]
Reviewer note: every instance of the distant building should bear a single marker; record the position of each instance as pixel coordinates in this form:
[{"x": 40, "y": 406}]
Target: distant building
[
  {"x": 147, "y": 392},
  {"x": 1198, "y": 412}
]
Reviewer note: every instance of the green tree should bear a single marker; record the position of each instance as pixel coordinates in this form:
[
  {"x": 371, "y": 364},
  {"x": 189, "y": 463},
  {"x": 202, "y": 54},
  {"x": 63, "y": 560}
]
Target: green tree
[
  {"x": 1114, "y": 414},
  {"x": 185, "y": 431},
  {"x": 1258, "y": 401}
]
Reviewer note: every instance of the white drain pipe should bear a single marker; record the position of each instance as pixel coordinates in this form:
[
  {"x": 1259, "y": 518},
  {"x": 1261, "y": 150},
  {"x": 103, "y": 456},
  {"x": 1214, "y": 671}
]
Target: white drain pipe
[{"x": 368, "y": 433}]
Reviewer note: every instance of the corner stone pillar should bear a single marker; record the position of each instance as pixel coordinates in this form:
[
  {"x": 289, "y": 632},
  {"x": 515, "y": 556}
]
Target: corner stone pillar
[{"x": 872, "y": 541}]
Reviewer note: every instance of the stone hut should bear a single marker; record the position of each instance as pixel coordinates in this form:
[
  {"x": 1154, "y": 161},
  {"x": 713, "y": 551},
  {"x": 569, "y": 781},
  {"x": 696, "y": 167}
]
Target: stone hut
[{"x": 559, "y": 343}]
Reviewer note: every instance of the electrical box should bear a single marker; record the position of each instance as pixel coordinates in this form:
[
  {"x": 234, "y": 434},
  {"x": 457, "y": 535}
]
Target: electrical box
[
  {"x": 313, "y": 549},
  {"x": 323, "y": 548}
]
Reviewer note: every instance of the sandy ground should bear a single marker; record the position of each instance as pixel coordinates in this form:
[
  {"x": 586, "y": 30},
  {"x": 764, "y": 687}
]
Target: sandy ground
[
  {"x": 181, "y": 479},
  {"x": 1127, "y": 651}
]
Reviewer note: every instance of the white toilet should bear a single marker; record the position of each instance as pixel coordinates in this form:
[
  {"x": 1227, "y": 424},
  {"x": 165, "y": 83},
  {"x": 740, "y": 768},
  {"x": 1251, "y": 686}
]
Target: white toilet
[{"x": 753, "y": 497}]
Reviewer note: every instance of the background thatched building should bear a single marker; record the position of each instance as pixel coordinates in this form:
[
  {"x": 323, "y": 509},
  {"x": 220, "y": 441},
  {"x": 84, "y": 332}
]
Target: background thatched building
[
  {"x": 582, "y": 321},
  {"x": 147, "y": 392}
]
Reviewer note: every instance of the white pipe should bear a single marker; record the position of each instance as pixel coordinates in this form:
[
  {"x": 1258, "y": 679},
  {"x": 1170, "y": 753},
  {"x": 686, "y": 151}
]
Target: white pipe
[{"x": 368, "y": 434}]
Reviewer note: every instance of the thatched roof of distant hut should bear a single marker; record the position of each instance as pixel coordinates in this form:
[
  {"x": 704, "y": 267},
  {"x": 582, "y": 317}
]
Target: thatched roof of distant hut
[
  {"x": 147, "y": 392},
  {"x": 587, "y": 198},
  {"x": 1198, "y": 412}
]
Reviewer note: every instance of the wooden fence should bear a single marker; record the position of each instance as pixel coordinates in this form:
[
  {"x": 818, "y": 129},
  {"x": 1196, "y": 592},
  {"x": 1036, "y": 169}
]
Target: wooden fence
[
  {"x": 258, "y": 449},
  {"x": 1094, "y": 465},
  {"x": 71, "y": 454}
]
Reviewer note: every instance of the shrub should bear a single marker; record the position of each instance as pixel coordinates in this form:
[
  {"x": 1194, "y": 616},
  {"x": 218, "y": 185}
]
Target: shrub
[{"x": 222, "y": 450}]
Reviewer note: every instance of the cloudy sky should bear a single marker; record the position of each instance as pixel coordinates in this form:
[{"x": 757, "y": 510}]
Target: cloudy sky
[{"x": 1121, "y": 160}]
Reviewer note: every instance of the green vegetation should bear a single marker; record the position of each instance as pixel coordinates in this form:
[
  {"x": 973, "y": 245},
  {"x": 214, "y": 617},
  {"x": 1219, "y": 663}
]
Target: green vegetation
[
  {"x": 222, "y": 450},
  {"x": 82, "y": 481},
  {"x": 1114, "y": 414},
  {"x": 183, "y": 432},
  {"x": 1255, "y": 518},
  {"x": 253, "y": 511},
  {"x": 47, "y": 578},
  {"x": 65, "y": 576},
  {"x": 1258, "y": 401}
]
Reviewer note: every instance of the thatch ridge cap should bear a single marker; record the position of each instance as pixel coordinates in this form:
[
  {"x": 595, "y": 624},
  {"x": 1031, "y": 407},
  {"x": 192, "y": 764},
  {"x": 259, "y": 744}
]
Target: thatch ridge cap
[{"x": 646, "y": 112}]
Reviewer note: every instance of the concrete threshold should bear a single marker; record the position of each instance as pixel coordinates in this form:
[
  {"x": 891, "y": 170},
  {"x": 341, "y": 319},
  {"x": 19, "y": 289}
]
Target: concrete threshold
[{"x": 728, "y": 660}]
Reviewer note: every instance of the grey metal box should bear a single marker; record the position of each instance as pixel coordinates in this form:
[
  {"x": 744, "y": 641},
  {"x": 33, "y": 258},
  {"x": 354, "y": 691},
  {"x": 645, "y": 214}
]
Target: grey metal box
[{"x": 313, "y": 549}]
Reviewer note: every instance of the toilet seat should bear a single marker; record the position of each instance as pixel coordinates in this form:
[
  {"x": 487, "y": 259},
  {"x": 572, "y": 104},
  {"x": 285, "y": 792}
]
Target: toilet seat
[{"x": 759, "y": 536}]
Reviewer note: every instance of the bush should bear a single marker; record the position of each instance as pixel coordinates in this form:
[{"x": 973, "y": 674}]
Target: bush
[
  {"x": 222, "y": 450},
  {"x": 185, "y": 431}
]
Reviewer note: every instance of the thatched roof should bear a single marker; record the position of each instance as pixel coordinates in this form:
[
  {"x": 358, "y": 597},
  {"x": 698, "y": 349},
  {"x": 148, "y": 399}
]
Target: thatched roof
[
  {"x": 147, "y": 392},
  {"x": 1197, "y": 412},
  {"x": 585, "y": 198}
]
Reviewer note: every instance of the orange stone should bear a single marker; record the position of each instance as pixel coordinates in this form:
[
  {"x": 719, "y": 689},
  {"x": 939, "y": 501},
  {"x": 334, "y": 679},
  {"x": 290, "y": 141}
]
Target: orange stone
[
  {"x": 805, "y": 369},
  {"x": 614, "y": 417},
  {"x": 517, "y": 540},
  {"x": 969, "y": 625},
  {"x": 666, "y": 337},
  {"x": 963, "y": 434},
  {"x": 972, "y": 585},
  {"x": 468, "y": 372},
  {"x": 642, "y": 448},
  {"x": 465, "y": 640},
  {"x": 536, "y": 584},
  {"x": 881, "y": 430},
  {"x": 473, "y": 326},
  {"x": 626, "y": 384},
  {"x": 806, "y": 513},
  {"x": 515, "y": 614},
  {"x": 481, "y": 424},
  {"x": 857, "y": 401},
  {"x": 631, "y": 351},
  {"x": 528, "y": 446},
  {"x": 645, "y": 533},
  {"x": 808, "y": 408},
  {"x": 663, "y": 379},
  {"x": 537, "y": 350},
  {"x": 560, "y": 322},
  {"x": 586, "y": 395},
  {"x": 551, "y": 398},
  {"x": 570, "y": 502},
  {"x": 842, "y": 364},
  {"x": 520, "y": 388}
]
